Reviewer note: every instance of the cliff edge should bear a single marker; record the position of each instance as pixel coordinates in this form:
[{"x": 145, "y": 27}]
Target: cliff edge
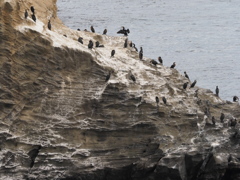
[{"x": 61, "y": 119}]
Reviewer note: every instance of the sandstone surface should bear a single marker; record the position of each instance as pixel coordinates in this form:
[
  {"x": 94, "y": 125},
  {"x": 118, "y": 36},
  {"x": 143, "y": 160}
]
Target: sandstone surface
[{"x": 60, "y": 119}]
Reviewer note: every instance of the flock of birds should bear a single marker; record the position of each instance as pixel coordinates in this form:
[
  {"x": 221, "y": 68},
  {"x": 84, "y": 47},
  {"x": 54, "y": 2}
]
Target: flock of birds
[{"x": 34, "y": 152}]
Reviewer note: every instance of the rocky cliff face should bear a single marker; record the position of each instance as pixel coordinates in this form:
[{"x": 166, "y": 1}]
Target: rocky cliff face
[{"x": 60, "y": 119}]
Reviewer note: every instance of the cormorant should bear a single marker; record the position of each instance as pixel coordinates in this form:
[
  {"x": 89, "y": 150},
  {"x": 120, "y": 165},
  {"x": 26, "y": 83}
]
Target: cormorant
[
  {"x": 222, "y": 117},
  {"x": 141, "y": 50},
  {"x": 32, "y": 9},
  {"x": 34, "y": 17},
  {"x": 134, "y": 47},
  {"x": 80, "y": 39},
  {"x": 125, "y": 43},
  {"x": 123, "y": 31},
  {"x": 173, "y": 65},
  {"x": 140, "y": 55},
  {"x": 164, "y": 100},
  {"x": 108, "y": 76},
  {"x": 193, "y": 84},
  {"x": 92, "y": 29},
  {"x": 217, "y": 90},
  {"x": 33, "y": 154},
  {"x": 133, "y": 77},
  {"x": 235, "y": 99},
  {"x": 112, "y": 53},
  {"x": 90, "y": 44},
  {"x": 160, "y": 60},
  {"x": 213, "y": 120},
  {"x": 131, "y": 44},
  {"x": 97, "y": 44},
  {"x": 185, "y": 85},
  {"x": 186, "y": 75},
  {"x": 49, "y": 25},
  {"x": 154, "y": 62},
  {"x": 105, "y": 32},
  {"x": 26, "y": 14},
  {"x": 157, "y": 100}
]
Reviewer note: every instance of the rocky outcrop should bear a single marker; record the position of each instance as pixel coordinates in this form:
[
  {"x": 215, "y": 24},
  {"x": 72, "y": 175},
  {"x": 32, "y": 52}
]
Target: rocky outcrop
[{"x": 60, "y": 119}]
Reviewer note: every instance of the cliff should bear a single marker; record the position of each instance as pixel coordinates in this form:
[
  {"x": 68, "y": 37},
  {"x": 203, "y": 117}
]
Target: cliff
[{"x": 60, "y": 119}]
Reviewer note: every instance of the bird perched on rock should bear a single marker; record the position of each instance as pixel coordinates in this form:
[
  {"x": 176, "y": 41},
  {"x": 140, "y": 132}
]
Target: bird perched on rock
[
  {"x": 222, "y": 117},
  {"x": 130, "y": 44},
  {"x": 235, "y": 99},
  {"x": 26, "y": 14},
  {"x": 78, "y": 29},
  {"x": 112, "y": 53},
  {"x": 186, "y": 75},
  {"x": 97, "y": 44},
  {"x": 193, "y": 84},
  {"x": 49, "y": 25},
  {"x": 157, "y": 100},
  {"x": 34, "y": 17},
  {"x": 173, "y": 65},
  {"x": 141, "y": 50},
  {"x": 154, "y": 62},
  {"x": 32, "y": 9},
  {"x": 213, "y": 120},
  {"x": 92, "y": 29},
  {"x": 80, "y": 39},
  {"x": 125, "y": 43},
  {"x": 105, "y": 32},
  {"x": 33, "y": 154},
  {"x": 133, "y": 77},
  {"x": 108, "y": 76},
  {"x": 217, "y": 91},
  {"x": 140, "y": 55},
  {"x": 164, "y": 100},
  {"x": 90, "y": 44},
  {"x": 185, "y": 85},
  {"x": 124, "y": 31},
  {"x": 160, "y": 60},
  {"x": 135, "y": 47}
]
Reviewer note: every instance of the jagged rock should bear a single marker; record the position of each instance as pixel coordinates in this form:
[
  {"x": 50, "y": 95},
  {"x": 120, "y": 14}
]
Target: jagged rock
[{"x": 54, "y": 93}]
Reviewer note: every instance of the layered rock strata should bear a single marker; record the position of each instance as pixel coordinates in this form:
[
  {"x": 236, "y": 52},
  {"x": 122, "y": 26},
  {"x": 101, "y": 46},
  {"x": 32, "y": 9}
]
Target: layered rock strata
[{"x": 60, "y": 119}]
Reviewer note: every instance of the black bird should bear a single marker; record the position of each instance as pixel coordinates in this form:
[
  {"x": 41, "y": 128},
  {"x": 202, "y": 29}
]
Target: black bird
[
  {"x": 124, "y": 31},
  {"x": 33, "y": 154},
  {"x": 80, "y": 39},
  {"x": 157, "y": 100},
  {"x": 49, "y": 25},
  {"x": 193, "y": 84},
  {"x": 185, "y": 85},
  {"x": 154, "y": 62},
  {"x": 34, "y": 17},
  {"x": 186, "y": 75},
  {"x": 173, "y": 65},
  {"x": 222, "y": 117},
  {"x": 108, "y": 76},
  {"x": 133, "y": 77},
  {"x": 78, "y": 29},
  {"x": 125, "y": 43},
  {"x": 131, "y": 44},
  {"x": 160, "y": 60},
  {"x": 235, "y": 99},
  {"x": 112, "y": 53},
  {"x": 164, "y": 100},
  {"x": 97, "y": 44},
  {"x": 92, "y": 29},
  {"x": 141, "y": 50},
  {"x": 32, "y": 9},
  {"x": 90, "y": 44},
  {"x": 217, "y": 90},
  {"x": 105, "y": 32},
  {"x": 26, "y": 14},
  {"x": 140, "y": 55},
  {"x": 213, "y": 120},
  {"x": 134, "y": 47}
]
